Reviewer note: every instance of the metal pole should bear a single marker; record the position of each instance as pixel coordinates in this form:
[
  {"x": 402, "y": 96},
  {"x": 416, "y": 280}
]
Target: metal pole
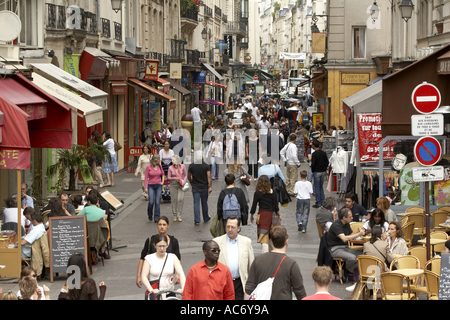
[{"x": 427, "y": 218}]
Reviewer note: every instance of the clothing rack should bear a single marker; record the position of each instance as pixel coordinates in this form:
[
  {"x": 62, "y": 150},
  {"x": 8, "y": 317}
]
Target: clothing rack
[{"x": 370, "y": 185}]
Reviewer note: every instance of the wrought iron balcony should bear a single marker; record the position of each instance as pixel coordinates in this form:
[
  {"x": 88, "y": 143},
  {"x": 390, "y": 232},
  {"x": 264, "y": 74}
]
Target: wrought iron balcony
[
  {"x": 106, "y": 28},
  {"x": 237, "y": 27},
  {"x": 207, "y": 11},
  {"x": 56, "y": 19},
  {"x": 189, "y": 14},
  {"x": 217, "y": 11},
  {"x": 192, "y": 57}
]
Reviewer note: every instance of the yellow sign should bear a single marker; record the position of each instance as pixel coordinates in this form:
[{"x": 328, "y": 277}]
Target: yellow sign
[
  {"x": 175, "y": 70},
  {"x": 355, "y": 78},
  {"x": 319, "y": 41}
]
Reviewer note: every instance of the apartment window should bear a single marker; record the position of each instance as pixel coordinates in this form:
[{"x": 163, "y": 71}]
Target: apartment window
[{"x": 359, "y": 42}]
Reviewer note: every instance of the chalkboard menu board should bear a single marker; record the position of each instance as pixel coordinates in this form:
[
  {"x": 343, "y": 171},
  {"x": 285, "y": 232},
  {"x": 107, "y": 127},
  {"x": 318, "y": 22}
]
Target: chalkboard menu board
[
  {"x": 300, "y": 143},
  {"x": 67, "y": 236},
  {"x": 329, "y": 145},
  {"x": 444, "y": 279}
]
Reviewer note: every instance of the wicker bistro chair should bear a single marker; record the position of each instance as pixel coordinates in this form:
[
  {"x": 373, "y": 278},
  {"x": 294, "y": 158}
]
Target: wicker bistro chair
[
  {"x": 392, "y": 287},
  {"x": 434, "y": 265},
  {"x": 438, "y": 218},
  {"x": 403, "y": 221},
  {"x": 420, "y": 252},
  {"x": 408, "y": 232},
  {"x": 320, "y": 229},
  {"x": 444, "y": 208},
  {"x": 432, "y": 281},
  {"x": 415, "y": 209},
  {"x": 370, "y": 268},
  {"x": 419, "y": 223},
  {"x": 439, "y": 235},
  {"x": 406, "y": 262}
]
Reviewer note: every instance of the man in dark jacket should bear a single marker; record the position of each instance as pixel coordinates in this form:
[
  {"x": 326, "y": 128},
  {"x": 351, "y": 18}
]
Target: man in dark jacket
[
  {"x": 231, "y": 189},
  {"x": 319, "y": 165}
]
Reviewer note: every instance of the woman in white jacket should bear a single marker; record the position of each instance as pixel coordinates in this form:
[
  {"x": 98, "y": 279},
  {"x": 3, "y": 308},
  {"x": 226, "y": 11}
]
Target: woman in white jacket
[
  {"x": 143, "y": 162},
  {"x": 215, "y": 154}
]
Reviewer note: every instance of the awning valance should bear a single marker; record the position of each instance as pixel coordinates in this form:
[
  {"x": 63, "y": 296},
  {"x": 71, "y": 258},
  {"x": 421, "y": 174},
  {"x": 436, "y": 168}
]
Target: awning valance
[
  {"x": 213, "y": 71},
  {"x": 178, "y": 87},
  {"x": 15, "y": 147},
  {"x": 216, "y": 85},
  {"x": 92, "y": 112},
  {"x": 155, "y": 92},
  {"x": 88, "y": 91},
  {"x": 94, "y": 63}
]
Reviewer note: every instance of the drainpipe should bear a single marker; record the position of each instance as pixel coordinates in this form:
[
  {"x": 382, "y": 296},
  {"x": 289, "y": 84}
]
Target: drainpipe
[{"x": 99, "y": 24}]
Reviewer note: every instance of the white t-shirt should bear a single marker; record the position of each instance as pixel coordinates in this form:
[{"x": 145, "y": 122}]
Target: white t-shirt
[
  {"x": 384, "y": 227},
  {"x": 31, "y": 237},
  {"x": 303, "y": 190},
  {"x": 109, "y": 144},
  {"x": 10, "y": 215},
  {"x": 156, "y": 265},
  {"x": 195, "y": 113},
  {"x": 264, "y": 127}
]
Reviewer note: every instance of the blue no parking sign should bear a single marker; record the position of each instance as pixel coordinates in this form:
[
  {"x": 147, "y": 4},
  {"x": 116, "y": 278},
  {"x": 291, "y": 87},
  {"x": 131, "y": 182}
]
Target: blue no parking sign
[{"x": 427, "y": 151}]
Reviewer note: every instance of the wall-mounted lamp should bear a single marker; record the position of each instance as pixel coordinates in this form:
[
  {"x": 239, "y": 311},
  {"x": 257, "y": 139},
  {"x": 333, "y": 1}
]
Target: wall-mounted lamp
[
  {"x": 116, "y": 5},
  {"x": 406, "y": 8}
]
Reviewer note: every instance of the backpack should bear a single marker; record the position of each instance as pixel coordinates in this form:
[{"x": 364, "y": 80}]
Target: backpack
[
  {"x": 230, "y": 206},
  {"x": 142, "y": 137}
]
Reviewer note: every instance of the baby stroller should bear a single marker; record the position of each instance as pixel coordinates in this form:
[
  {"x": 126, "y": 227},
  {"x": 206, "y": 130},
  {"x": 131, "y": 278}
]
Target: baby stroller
[
  {"x": 168, "y": 295},
  {"x": 165, "y": 190}
]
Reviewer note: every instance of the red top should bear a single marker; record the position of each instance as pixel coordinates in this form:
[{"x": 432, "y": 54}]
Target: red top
[
  {"x": 321, "y": 296},
  {"x": 203, "y": 285}
]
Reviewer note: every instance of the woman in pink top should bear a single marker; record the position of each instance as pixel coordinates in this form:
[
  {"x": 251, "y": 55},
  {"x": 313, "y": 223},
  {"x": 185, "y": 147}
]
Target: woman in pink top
[
  {"x": 154, "y": 180},
  {"x": 177, "y": 176}
]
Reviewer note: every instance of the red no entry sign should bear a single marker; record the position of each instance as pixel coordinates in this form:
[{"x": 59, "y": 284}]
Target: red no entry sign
[
  {"x": 426, "y": 98},
  {"x": 427, "y": 151},
  {"x": 255, "y": 77}
]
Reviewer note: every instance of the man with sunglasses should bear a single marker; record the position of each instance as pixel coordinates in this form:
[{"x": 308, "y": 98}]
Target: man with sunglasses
[{"x": 209, "y": 279}]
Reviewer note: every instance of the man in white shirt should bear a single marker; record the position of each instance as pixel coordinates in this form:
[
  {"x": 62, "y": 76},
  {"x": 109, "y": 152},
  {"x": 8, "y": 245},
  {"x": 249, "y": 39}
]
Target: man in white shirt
[
  {"x": 289, "y": 154},
  {"x": 254, "y": 108},
  {"x": 264, "y": 126},
  {"x": 35, "y": 234},
  {"x": 236, "y": 252},
  {"x": 247, "y": 104},
  {"x": 196, "y": 113}
]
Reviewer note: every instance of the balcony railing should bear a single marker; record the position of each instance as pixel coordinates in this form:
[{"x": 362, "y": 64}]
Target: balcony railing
[
  {"x": 117, "y": 31},
  {"x": 189, "y": 14},
  {"x": 163, "y": 58},
  {"x": 217, "y": 11},
  {"x": 237, "y": 27},
  {"x": 177, "y": 49},
  {"x": 56, "y": 19},
  {"x": 224, "y": 18},
  {"x": 106, "y": 28},
  {"x": 207, "y": 11},
  {"x": 192, "y": 57}
]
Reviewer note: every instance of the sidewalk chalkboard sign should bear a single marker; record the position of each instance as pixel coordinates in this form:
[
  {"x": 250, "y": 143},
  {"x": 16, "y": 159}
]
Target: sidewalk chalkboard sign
[
  {"x": 67, "y": 236},
  {"x": 444, "y": 279},
  {"x": 300, "y": 143}
]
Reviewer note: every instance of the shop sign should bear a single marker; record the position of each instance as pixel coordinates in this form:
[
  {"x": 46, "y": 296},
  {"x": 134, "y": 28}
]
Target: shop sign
[
  {"x": 199, "y": 77},
  {"x": 355, "y": 78},
  {"x": 443, "y": 66},
  {"x": 12, "y": 158},
  {"x": 369, "y": 138},
  {"x": 151, "y": 69}
]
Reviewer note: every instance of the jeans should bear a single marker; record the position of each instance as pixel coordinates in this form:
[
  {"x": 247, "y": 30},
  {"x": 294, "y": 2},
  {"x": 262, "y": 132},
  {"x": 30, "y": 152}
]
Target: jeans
[
  {"x": 203, "y": 196},
  {"x": 154, "y": 198},
  {"x": 302, "y": 212},
  {"x": 318, "y": 178},
  {"x": 215, "y": 167}
]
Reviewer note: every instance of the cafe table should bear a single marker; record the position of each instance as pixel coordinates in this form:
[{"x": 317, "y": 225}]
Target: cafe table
[
  {"x": 444, "y": 225},
  {"x": 433, "y": 242}
]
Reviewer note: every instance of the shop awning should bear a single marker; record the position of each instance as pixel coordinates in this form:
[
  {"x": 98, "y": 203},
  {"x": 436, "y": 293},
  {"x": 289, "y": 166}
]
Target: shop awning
[
  {"x": 154, "y": 92},
  {"x": 178, "y": 87},
  {"x": 216, "y": 85},
  {"x": 165, "y": 84},
  {"x": 94, "y": 63},
  {"x": 55, "y": 74},
  {"x": 31, "y": 103},
  {"x": 213, "y": 71},
  {"x": 364, "y": 101},
  {"x": 92, "y": 112},
  {"x": 15, "y": 148},
  {"x": 53, "y": 131}
]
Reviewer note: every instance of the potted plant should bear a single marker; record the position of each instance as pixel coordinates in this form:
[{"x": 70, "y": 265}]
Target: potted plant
[{"x": 75, "y": 160}]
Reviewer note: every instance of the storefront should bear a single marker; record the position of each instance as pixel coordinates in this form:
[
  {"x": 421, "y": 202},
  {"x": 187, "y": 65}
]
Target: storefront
[{"x": 397, "y": 110}]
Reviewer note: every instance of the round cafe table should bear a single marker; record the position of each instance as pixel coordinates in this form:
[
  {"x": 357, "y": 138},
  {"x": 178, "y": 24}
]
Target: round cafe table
[
  {"x": 409, "y": 273},
  {"x": 433, "y": 242}
]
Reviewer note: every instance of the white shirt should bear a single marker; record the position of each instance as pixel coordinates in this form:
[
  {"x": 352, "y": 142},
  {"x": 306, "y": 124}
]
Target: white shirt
[
  {"x": 109, "y": 144},
  {"x": 233, "y": 257},
  {"x": 303, "y": 190},
  {"x": 156, "y": 266},
  {"x": 289, "y": 154},
  {"x": 263, "y": 127},
  {"x": 384, "y": 227},
  {"x": 10, "y": 215},
  {"x": 195, "y": 113},
  {"x": 340, "y": 161},
  {"x": 31, "y": 237},
  {"x": 254, "y": 109},
  {"x": 248, "y": 105}
]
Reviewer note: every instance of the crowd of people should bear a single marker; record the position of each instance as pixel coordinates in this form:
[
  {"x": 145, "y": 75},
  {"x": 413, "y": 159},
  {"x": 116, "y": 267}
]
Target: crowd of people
[{"x": 238, "y": 155}]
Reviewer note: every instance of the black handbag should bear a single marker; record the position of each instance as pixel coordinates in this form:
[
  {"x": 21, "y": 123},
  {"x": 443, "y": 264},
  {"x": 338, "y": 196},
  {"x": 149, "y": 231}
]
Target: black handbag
[{"x": 279, "y": 188}]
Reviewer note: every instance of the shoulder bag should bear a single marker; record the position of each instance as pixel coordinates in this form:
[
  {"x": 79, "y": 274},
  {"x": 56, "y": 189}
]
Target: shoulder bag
[
  {"x": 155, "y": 283},
  {"x": 244, "y": 178},
  {"x": 263, "y": 291}
]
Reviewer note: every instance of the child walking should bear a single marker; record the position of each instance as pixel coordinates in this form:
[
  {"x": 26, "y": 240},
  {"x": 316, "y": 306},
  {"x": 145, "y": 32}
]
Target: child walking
[{"x": 303, "y": 190}]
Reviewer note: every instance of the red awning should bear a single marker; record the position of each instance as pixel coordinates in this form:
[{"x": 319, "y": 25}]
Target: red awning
[
  {"x": 215, "y": 84},
  {"x": 15, "y": 148},
  {"x": 155, "y": 92},
  {"x": 54, "y": 131},
  {"x": 34, "y": 105},
  {"x": 165, "y": 84}
]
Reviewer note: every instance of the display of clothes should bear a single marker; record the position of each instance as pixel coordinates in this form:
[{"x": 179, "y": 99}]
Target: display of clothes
[
  {"x": 339, "y": 161},
  {"x": 370, "y": 187}
]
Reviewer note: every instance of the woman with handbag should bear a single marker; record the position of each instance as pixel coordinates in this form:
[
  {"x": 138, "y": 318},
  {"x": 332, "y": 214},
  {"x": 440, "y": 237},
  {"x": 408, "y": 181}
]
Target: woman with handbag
[
  {"x": 269, "y": 212},
  {"x": 378, "y": 248},
  {"x": 252, "y": 147},
  {"x": 154, "y": 180},
  {"x": 177, "y": 175},
  {"x": 143, "y": 162},
  {"x": 158, "y": 269},
  {"x": 215, "y": 154}
]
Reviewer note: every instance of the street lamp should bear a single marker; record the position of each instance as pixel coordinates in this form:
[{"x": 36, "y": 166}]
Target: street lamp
[
  {"x": 204, "y": 34},
  {"x": 374, "y": 11},
  {"x": 406, "y": 8},
  {"x": 116, "y": 5}
]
